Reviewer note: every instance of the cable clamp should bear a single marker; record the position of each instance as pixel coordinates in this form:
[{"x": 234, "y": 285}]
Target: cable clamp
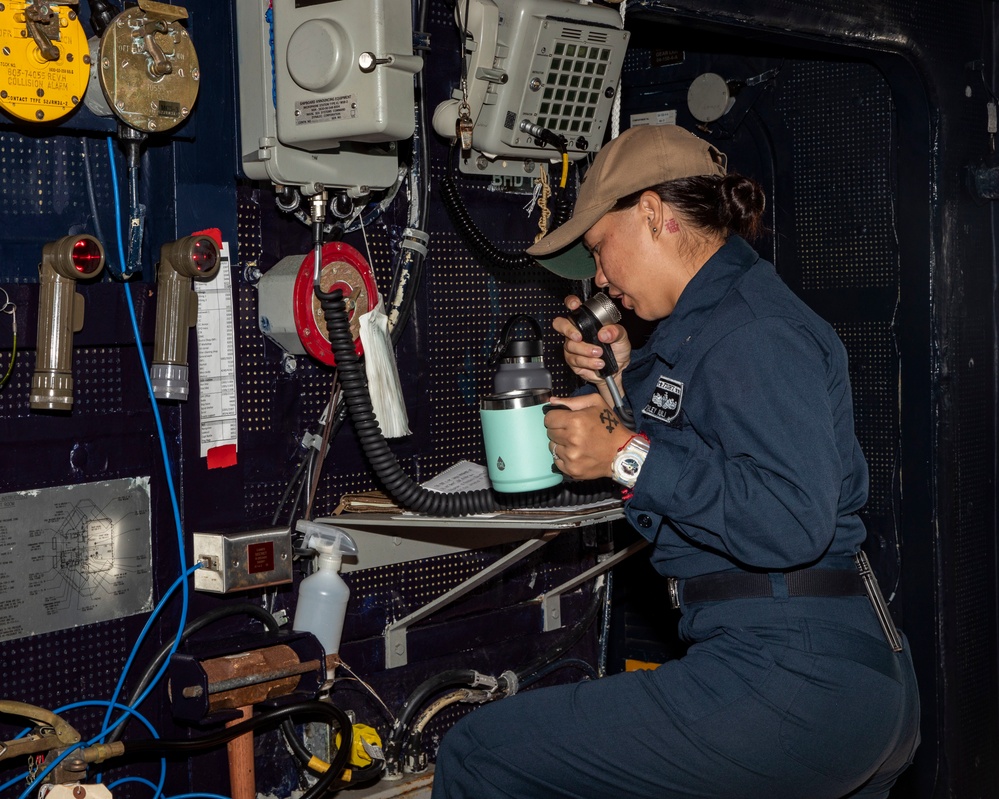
[
  {"x": 483, "y": 681},
  {"x": 313, "y": 440},
  {"x": 763, "y": 77},
  {"x": 413, "y": 239},
  {"x": 510, "y": 681},
  {"x": 480, "y": 697},
  {"x": 281, "y": 617},
  {"x": 421, "y": 40}
]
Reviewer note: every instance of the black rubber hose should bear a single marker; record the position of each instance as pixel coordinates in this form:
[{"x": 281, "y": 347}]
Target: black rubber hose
[
  {"x": 565, "y": 643},
  {"x": 223, "y": 612},
  {"x": 292, "y": 484},
  {"x": 189, "y": 748},
  {"x": 540, "y": 667},
  {"x": 399, "y": 485},
  {"x": 427, "y": 688},
  {"x": 354, "y": 386},
  {"x": 430, "y": 686},
  {"x": 565, "y": 663},
  {"x": 411, "y": 271}
]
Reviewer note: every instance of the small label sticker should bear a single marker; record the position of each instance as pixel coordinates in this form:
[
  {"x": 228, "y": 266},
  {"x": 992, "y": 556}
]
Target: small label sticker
[
  {"x": 169, "y": 109},
  {"x": 666, "y": 400},
  {"x": 326, "y": 109},
  {"x": 260, "y": 557}
]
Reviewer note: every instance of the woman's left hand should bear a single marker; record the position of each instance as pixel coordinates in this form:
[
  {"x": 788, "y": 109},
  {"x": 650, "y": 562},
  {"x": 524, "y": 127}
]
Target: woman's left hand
[{"x": 585, "y": 434}]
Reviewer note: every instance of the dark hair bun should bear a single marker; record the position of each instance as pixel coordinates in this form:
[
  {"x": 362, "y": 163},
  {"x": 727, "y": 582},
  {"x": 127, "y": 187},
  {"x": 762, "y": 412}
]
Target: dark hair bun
[{"x": 741, "y": 202}]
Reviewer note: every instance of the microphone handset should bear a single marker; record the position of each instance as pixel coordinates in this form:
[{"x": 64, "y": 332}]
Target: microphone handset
[{"x": 588, "y": 318}]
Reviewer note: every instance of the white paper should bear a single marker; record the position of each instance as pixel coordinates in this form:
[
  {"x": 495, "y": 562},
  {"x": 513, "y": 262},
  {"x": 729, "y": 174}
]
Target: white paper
[
  {"x": 217, "y": 358},
  {"x": 462, "y": 476},
  {"x": 469, "y": 476}
]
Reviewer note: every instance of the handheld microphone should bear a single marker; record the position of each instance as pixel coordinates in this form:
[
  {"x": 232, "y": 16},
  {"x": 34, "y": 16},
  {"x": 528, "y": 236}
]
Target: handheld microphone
[{"x": 588, "y": 318}]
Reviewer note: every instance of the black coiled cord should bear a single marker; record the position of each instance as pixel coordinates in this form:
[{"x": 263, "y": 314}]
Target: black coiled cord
[
  {"x": 403, "y": 489},
  {"x": 355, "y": 391},
  {"x": 477, "y": 241}
]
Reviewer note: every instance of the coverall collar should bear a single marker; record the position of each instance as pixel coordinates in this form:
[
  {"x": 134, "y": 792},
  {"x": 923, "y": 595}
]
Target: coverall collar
[{"x": 702, "y": 295}]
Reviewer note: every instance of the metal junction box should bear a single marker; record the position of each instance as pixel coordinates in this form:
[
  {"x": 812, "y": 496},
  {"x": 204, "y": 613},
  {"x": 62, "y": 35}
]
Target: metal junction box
[{"x": 240, "y": 561}]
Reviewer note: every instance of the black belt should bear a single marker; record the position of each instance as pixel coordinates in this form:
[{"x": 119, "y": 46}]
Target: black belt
[{"x": 753, "y": 585}]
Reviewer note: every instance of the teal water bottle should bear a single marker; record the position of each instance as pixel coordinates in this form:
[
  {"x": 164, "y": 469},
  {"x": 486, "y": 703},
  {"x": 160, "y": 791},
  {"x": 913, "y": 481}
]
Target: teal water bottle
[
  {"x": 513, "y": 429},
  {"x": 513, "y": 417}
]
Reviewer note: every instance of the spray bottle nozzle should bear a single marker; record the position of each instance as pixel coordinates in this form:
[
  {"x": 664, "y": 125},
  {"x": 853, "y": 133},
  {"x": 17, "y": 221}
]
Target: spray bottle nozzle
[{"x": 326, "y": 539}]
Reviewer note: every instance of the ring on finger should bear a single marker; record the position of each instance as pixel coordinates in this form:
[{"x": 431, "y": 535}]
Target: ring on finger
[{"x": 554, "y": 451}]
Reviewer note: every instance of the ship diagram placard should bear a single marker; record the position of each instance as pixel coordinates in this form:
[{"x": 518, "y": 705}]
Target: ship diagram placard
[{"x": 74, "y": 555}]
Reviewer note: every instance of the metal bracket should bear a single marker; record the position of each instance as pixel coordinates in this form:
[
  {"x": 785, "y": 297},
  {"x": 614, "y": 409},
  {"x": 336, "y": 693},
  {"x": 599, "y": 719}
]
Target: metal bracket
[
  {"x": 396, "y": 652},
  {"x": 551, "y": 601}
]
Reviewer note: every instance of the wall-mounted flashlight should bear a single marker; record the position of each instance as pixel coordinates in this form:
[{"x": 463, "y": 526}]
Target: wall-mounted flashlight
[
  {"x": 192, "y": 257},
  {"x": 60, "y": 315}
]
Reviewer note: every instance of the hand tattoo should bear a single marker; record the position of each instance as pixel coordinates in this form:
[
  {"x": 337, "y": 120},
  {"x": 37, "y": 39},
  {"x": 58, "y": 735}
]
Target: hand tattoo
[{"x": 610, "y": 420}]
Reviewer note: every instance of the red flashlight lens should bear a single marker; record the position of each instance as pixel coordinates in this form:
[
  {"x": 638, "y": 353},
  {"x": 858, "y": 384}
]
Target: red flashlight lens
[
  {"x": 203, "y": 255},
  {"x": 87, "y": 256}
]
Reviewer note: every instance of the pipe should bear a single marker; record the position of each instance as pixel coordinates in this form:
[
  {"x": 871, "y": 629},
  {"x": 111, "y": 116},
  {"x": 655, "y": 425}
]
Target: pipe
[{"x": 242, "y": 776}]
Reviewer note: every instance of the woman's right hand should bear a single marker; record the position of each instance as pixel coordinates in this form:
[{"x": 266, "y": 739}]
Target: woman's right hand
[{"x": 586, "y": 359}]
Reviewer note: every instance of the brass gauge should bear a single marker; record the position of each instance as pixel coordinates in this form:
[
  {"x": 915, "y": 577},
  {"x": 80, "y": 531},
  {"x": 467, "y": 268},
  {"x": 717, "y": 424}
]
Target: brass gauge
[
  {"x": 148, "y": 68},
  {"x": 44, "y": 59}
]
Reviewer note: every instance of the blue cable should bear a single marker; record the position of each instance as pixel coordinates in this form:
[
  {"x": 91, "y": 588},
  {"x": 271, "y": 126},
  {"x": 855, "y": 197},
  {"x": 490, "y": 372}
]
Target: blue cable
[
  {"x": 198, "y": 796},
  {"x": 116, "y": 783},
  {"x": 142, "y": 359},
  {"x": 130, "y": 711},
  {"x": 163, "y": 447},
  {"x": 180, "y": 581},
  {"x": 89, "y": 703},
  {"x": 143, "y": 780}
]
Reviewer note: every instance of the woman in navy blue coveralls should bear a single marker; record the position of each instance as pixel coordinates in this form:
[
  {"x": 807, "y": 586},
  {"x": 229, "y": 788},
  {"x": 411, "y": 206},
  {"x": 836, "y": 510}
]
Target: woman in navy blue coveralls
[{"x": 749, "y": 493}]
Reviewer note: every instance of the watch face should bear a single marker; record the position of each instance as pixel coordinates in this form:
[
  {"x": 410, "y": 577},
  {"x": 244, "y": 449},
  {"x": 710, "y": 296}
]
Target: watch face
[
  {"x": 630, "y": 467},
  {"x": 628, "y": 462}
]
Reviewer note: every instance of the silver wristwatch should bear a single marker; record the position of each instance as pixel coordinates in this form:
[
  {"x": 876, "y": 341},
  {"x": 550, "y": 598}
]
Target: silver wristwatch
[{"x": 628, "y": 461}]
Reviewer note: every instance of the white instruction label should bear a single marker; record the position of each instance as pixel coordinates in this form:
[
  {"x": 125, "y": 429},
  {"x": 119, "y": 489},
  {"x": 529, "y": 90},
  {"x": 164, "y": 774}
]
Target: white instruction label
[
  {"x": 326, "y": 109},
  {"x": 74, "y": 555},
  {"x": 217, "y": 358}
]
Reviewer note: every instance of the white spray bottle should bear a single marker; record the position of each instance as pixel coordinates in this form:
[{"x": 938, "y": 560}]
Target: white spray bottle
[{"x": 323, "y": 595}]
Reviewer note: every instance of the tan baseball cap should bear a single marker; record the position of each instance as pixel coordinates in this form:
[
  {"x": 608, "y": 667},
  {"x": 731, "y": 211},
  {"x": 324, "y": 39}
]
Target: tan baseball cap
[{"x": 640, "y": 157}]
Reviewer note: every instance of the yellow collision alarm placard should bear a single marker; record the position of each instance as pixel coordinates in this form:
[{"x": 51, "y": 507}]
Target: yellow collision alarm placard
[{"x": 44, "y": 60}]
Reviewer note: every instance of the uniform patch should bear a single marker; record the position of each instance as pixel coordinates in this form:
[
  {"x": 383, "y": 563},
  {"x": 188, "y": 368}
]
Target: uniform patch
[{"x": 666, "y": 400}]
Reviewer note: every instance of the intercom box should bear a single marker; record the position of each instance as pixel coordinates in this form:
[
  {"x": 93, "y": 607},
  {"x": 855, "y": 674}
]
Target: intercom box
[{"x": 240, "y": 561}]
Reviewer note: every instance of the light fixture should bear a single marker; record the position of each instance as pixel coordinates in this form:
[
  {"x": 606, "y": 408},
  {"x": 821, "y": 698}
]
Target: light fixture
[{"x": 60, "y": 315}]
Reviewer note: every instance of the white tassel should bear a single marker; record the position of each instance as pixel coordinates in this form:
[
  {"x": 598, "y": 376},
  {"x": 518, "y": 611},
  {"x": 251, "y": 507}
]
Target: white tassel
[{"x": 383, "y": 373}]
